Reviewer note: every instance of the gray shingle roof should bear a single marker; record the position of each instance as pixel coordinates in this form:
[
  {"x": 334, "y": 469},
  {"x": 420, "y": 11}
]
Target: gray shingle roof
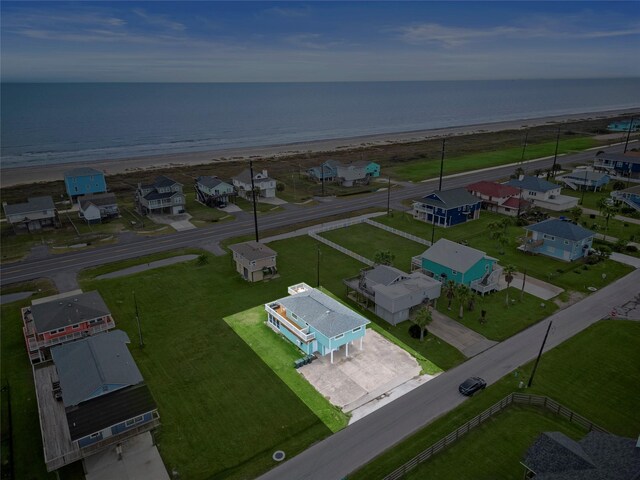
[
  {"x": 620, "y": 157},
  {"x": 534, "y": 184},
  {"x": 383, "y": 274},
  {"x": 87, "y": 367},
  {"x": 155, "y": 195},
  {"x": 453, "y": 198},
  {"x": 98, "y": 199},
  {"x": 453, "y": 255},
  {"x": 585, "y": 174},
  {"x": 163, "y": 181},
  {"x": 82, "y": 172},
  {"x": 68, "y": 311},
  {"x": 561, "y": 229},
  {"x": 33, "y": 204},
  {"x": 252, "y": 250},
  {"x": 326, "y": 315},
  {"x": 209, "y": 181},
  {"x": 416, "y": 282},
  {"x": 245, "y": 177}
]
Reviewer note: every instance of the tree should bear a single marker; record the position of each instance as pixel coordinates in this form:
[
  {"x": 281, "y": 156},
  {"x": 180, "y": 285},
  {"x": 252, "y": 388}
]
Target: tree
[
  {"x": 383, "y": 257},
  {"x": 618, "y": 185},
  {"x": 509, "y": 270},
  {"x": 463, "y": 293},
  {"x": 603, "y": 252},
  {"x": 608, "y": 209},
  {"x": 574, "y": 214},
  {"x": 450, "y": 292},
  {"x": 538, "y": 172},
  {"x": 422, "y": 319},
  {"x": 202, "y": 259},
  {"x": 519, "y": 171}
]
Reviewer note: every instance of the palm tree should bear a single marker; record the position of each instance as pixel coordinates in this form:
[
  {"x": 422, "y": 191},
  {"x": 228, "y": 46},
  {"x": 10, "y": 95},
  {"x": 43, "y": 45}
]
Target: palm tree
[
  {"x": 608, "y": 210},
  {"x": 463, "y": 293},
  {"x": 383, "y": 257},
  {"x": 574, "y": 214},
  {"x": 422, "y": 319},
  {"x": 509, "y": 270},
  {"x": 450, "y": 292}
]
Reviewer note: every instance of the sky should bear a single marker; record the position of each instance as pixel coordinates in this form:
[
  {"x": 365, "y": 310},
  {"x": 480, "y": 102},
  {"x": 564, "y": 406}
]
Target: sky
[{"x": 299, "y": 41}]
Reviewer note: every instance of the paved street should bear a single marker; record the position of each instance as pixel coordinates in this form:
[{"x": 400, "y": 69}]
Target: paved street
[{"x": 345, "y": 451}]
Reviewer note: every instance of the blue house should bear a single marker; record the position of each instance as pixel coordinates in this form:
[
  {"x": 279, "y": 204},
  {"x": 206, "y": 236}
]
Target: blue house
[
  {"x": 446, "y": 260},
  {"x": 557, "y": 238},
  {"x": 624, "y": 126},
  {"x": 583, "y": 179},
  {"x": 104, "y": 395},
  {"x": 315, "y": 322},
  {"x": 624, "y": 164},
  {"x": 84, "y": 181},
  {"x": 447, "y": 207},
  {"x": 630, "y": 196},
  {"x": 346, "y": 174}
]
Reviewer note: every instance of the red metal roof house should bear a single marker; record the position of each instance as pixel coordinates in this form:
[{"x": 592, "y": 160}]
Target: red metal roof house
[{"x": 498, "y": 197}]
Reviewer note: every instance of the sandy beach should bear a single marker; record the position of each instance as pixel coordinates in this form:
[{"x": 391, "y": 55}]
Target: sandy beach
[{"x": 43, "y": 173}]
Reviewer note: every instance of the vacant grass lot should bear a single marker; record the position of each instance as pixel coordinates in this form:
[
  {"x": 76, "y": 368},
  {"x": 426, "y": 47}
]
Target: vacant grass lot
[
  {"x": 501, "y": 321},
  {"x": 201, "y": 215},
  {"x": 595, "y": 373},
  {"x": 496, "y": 448},
  {"x": 416, "y": 171},
  {"x": 570, "y": 276},
  {"x": 366, "y": 240}
]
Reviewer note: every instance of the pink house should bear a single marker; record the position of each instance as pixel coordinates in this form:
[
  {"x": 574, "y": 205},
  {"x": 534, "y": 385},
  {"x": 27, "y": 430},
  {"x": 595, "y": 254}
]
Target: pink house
[
  {"x": 498, "y": 197},
  {"x": 63, "y": 320}
]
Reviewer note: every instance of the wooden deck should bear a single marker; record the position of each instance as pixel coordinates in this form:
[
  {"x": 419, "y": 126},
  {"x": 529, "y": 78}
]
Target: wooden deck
[{"x": 56, "y": 441}]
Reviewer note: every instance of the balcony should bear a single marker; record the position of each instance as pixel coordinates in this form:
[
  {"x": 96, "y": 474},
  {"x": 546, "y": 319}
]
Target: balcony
[{"x": 279, "y": 312}]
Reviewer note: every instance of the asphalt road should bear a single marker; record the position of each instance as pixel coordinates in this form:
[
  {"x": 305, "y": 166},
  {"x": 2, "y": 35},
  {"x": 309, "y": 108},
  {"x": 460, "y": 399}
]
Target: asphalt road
[
  {"x": 345, "y": 451},
  {"x": 58, "y": 265}
]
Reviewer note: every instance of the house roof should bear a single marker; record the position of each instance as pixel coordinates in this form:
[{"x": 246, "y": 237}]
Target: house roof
[
  {"x": 561, "y": 229},
  {"x": 583, "y": 174},
  {"x": 384, "y": 274},
  {"x": 629, "y": 157},
  {"x": 515, "y": 202},
  {"x": 209, "y": 181},
  {"x": 162, "y": 181},
  {"x": 252, "y": 250},
  {"x": 534, "y": 184},
  {"x": 415, "y": 282},
  {"x": 455, "y": 197},
  {"x": 111, "y": 409},
  {"x": 245, "y": 177},
  {"x": 89, "y": 367},
  {"x": 326, "y": 315},
  {"x": 155, "y": 195},
  {"x": 82, "y": 172},
  {"x": 493, "y": 189},
  {"x": 598, "y": 456},
  {"x": 68, "y": 311},
  {"x": 33, "y": 204},
  {"x": 634, "y": 189},
  {"x": 98, "y": 199},
  {"x": 453, "y": 255}
]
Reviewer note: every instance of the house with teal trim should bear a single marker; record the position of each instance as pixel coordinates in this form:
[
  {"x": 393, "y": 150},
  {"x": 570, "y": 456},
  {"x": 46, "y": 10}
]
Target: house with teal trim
[
  {"x": 214, "y": 192},
  {"x": 84, "y": 181},
  {"x": 557, "y": 238},
  {"x": 446, "y": 260},
  {"x": 346, "y": 174},
  {"x": 630, "y": 196},
  {"x": 315, "y": 322},
  {"x": 624, "y": 126},
  {"x": 447, "y": 208},
  {"x": 622, "y": 164}
]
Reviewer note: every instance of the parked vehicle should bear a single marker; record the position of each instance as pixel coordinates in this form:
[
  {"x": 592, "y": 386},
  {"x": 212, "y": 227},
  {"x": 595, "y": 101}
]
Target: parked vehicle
[{"x": 471, "y": 386}]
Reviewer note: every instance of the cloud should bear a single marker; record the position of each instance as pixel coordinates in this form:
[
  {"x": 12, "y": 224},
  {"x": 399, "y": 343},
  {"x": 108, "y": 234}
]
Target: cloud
[
  {"x": 289, "y": 12},
  {"x": 159, "y": 20},
  {"x": 311, "y": 41},
  {"x": 451, "y": 36}
]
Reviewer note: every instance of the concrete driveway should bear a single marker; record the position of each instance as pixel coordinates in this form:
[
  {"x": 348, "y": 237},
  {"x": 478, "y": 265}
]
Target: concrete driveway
[
  {"x": 532, "y": 286},
  {"x": 468, "y": 341},
  {"x": 364, "y": 375}
]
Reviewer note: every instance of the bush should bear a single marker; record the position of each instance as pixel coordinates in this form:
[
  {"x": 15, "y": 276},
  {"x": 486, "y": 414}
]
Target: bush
[
  {"x": 592, "y": 259},
  {"x": 618, "y": 185},
  {"x": 280, "y": 187},
  {"x": 631, "y": 248},
  {"x": 414, "y": 331}
]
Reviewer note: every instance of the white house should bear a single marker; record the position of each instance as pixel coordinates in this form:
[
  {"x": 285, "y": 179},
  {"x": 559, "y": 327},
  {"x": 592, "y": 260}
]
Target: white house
[
  {"x": 265, "y": 186},
  {"x": 542, "y": 193}
]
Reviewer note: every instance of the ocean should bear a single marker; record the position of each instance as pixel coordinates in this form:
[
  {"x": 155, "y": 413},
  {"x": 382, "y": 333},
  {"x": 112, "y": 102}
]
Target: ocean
[{"x": 50, "y": 123}]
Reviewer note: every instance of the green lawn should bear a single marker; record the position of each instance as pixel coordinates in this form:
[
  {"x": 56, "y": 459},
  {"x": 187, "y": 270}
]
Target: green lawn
[
  {"x": 366, "y": 240},
  {"x": 570, "y": 276},
  {"x": 201, "y": 215},
  {"x": 416, "y": 171},
  {"x": 510, "y": 433},
  {"x": 279, "y": 354},
  {"x": 595, "y": 373},
  {"x": 247, "y": 206},
  {"x": 501, "y": 321}
]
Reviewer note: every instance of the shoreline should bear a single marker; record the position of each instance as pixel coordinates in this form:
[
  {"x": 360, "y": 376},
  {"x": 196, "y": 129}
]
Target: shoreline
[{"x": 46, "y": 173}]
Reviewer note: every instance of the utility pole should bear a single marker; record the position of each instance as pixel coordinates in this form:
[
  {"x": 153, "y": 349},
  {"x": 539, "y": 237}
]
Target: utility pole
[
  {"x": 626, "y": 144},
  {"x": 524, "y": 145},
  {"x": 441, "y": 164},
  {"x": 253, "y": 194},
  {"x": 318, "y": 269},
  {"x": 389, "y": 197},
  {"x": 584, "y": 187},
  {"x": 433, "y": 228},
  {"x": 524, "y": 280},
  {"x": 135, "y": 302},
  {"x": 555, "y": 155},
  {"x": 539, "y": 354},
  {"x": 322, "y": 177}
]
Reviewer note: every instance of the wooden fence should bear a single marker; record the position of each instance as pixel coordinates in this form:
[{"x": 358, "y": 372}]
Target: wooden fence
[{"x": 518, "y": 398}]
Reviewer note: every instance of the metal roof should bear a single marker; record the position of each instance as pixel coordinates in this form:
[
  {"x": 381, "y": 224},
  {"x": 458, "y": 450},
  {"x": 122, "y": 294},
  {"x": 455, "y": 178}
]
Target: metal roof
[
  {"x": 453, "y": 255},
  {"x": 561, "y": 229},
  {"x": 82, "y": 172},
  {"x": 68, "y": 311},
  {"x": 326, "y": 315},
  {"x": 534, "y": 184},
  {"x": 94, "y": 366},
  {"x": 245, "y": 177},
  {"x": 33, "y": 204},
  {"x": 210, "y": 181},
  {"x": 252, "y": 250},
  {"x": 383, "y": 274},
  {"x": 630, "y": 157},
  {"x": 583, "y": 174},
  {"x": 493, "y": 189},
  {"x": 98, "y": 199},
  {"x": 453, "y": 198}
]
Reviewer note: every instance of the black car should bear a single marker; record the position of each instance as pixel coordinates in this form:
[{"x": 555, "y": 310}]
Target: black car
[{"x": 471, "y": 386}]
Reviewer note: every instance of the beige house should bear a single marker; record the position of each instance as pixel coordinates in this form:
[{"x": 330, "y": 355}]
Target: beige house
[{"x": 254, "y": 261}]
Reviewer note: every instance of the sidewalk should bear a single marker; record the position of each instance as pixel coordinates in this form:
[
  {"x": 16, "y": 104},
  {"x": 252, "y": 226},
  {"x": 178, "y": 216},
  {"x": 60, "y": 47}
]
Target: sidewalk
[{"x": 617, "y": 217}]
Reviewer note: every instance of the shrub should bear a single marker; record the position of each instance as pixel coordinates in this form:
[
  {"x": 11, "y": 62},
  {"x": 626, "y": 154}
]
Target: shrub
[
  {"x": 414, "y": 331},
  {"x": 631, "y": 248},
  {"x": 280, "y": 187}
]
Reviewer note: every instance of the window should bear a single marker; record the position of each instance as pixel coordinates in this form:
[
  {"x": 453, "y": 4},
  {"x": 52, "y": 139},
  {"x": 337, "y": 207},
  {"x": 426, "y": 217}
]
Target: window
[
  {"x": 453, "y": 272},
  {"x": 356, "y": 329},
  {"x": 339, "y": 336},
  {"x": 133, "y": 421},
  {"x": 566, "y": 242},
  {"x": 95, "y": 435},
  {"x": 548, "y": 237},
  {"x": 533, "y": 194}
]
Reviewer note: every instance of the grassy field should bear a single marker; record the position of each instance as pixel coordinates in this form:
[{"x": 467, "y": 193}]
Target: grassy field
[
  {"x": 201, "y": 215},
  {"x": 510, "y": 433},
  {"x": 570, "y": 276},
  {"x": 416, "y": 171},
  {"x": 501, "y": 321},
  {"x": 595, "y": 373},
  {"x": 366, "y": 240},
  {"x": 279, "y": 354}
]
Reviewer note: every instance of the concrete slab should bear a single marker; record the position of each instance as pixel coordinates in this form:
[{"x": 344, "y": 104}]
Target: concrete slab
[
  {"x": 533, "y": 286},
  {"x": 147, "y": 266},
  {"x": 469, "y": 342},
  {"x": 272, "y": 201},
  {"x": 140, "y": 460},
  {"x": 14, "y": 297},
  {"x": 353, "y": 381},
  {"x": 231, "y": 208},
  {"x": 626, "y": 259}
]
